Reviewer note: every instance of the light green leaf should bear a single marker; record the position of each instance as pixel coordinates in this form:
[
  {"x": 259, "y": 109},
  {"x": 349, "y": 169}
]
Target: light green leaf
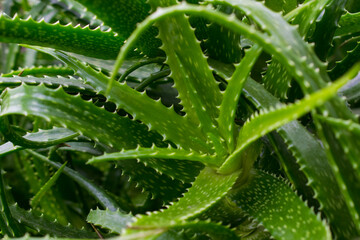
[
  {"x": 140, "y": 106},
  {"x": 155, "y": 152},
  {"x": 232, "y": 95},
  {"x": 275, "y": 205},
  {"x": 203, "y": 194},
  {"x": 266, "y": 121},
  {"x": 114, "y": 221},
  {"x": 73, "y": 39},
  {"x": 36, "y": 199}
]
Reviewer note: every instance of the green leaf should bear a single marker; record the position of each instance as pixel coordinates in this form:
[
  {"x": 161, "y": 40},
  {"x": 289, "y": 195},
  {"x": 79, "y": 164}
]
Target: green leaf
[
  {"x": 326, "y": 26},
  {"x": 313, "y": 162},
  {"x": 346, "y": 63},
  {"x": 70, "y": 84},
  {"x": 30, "y": 100},
  {"x": 274, "y": 204},
  {"x": 140, "y": 106},
  {"x": 98, "y": 193},
  {"x": 122, "y": 17},
  {"x": 155, "y": 152},
  {"x": 208, "y": 188},
  {"x": 281, "y": 5},
  {"x": 34, "y": 71},
  {"x": 51, "y": 136},
  {"x": 35, "y": 200},
  {"x": 178, "y": 50},
  {"x": 114, "y": 221},
  {"x": 57, "y": 136},
  {"x": 84, "y": 41},
  {"x": 277, "y": 80},
  {"x": 189, "y": 169},
  {"x": 8, "y": 225},
  {"x": 232, "y": 95},
  {"x": 266, "y": 121},
  {"x": 348, "y": 24},
  {"x": 306, "y": 14},
  {"x": 43, "y": 225},
  {"x": 211, "y": 229},
  {"x": 221, "y": 43},
  {"x": 159, "y": 185},
  {"x": 351, "y": 91}
]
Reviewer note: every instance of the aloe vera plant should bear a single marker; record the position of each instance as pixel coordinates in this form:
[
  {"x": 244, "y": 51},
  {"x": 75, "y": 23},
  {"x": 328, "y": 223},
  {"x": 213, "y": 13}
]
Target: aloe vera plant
[{"x": 166, "y": 119}]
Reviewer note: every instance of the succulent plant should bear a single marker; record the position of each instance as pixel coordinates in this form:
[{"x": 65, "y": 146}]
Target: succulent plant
[{"x": 166, "y": 119}]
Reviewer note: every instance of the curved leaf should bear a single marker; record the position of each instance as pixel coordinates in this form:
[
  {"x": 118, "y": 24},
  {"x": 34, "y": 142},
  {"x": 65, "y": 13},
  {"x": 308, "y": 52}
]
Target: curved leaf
[
  {"x": 43, "y": 225},
  {"x": 114, "y": 221},
  {"x": 36, "y": 101},
  {"x": 34, "y": 71},
  {"x": 207, "y": 189},
  {"x": 274, "y": 204},
  {"x": 232, "y": 95},
  {"x": 155, "y": 152},
  {"x": 98, "y": 193},
  {"x": 140, "y": 106},
  {"x": 267, "y": 120},
  {"x": 73, "y": 39}
]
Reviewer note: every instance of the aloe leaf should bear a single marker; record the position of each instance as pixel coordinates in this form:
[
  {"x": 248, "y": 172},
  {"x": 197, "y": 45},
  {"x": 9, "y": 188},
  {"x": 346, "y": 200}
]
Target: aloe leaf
[
  {"x": 311, "y": 78},
  {"x": 306, "y": 14},
  {"x": 221, "y": 43},
  {"x": 8, "y": 225},
  {"x": 29, "y": 100},
  {"x": 99, "y": 194},
  {"x": 156, "y": 152},
  {"x": 347, "y": 124},
  {"x": 28, "y": 237},
  {"x": 349, "y": 60},
  {"x": 312, "y": 159},
  {"x": 140, "y": 64},
  {"x": 203, "y": 194},
  {"x": 10, "y": 61},
  {"x": 147, "y": 178},
  {"x": 51, "y": 135},
  {"x": 280, "y": 5},
  {"x": 310, "y": 156},
  {"x": 122, "y": 17},
  {"x": 73, "y": 39},
  {"x": 232, "y": 95},
  {"x": 211, "y": 229},
  {"x": 114, "y": 221},
  {"x": 43, "y": 225},
  {"x": 70, "y": 84},
  {"x": 275, "y": 205},
  {"x": 85, "y": 147},
  {"x": 76, "y": 11},
  {"x": 326, "y": 26},
  {"x": 277, "y": 80},
  {"x": 178, "y": 50},
  {"x": 8, "y": 148},
  {"x": 351, "y": 91},
  {"x": 268, "y": 120},
  {"x": 34, "y": 71},
  {"x": 35, "y": 200},
  {"x": 125, "y": 139},
  {"x": 348, "y": 24},
  {"x": 140, "y": 106},
  {"x": 56, "y": 136},
  {"x": 190, "y": 169}
]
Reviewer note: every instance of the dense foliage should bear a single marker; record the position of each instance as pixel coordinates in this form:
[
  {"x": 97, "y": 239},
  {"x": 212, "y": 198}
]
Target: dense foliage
[{"x": 166, "y": 119}]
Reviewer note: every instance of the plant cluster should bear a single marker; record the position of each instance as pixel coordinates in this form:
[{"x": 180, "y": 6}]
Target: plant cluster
[{"x": 166, "y": 119}]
